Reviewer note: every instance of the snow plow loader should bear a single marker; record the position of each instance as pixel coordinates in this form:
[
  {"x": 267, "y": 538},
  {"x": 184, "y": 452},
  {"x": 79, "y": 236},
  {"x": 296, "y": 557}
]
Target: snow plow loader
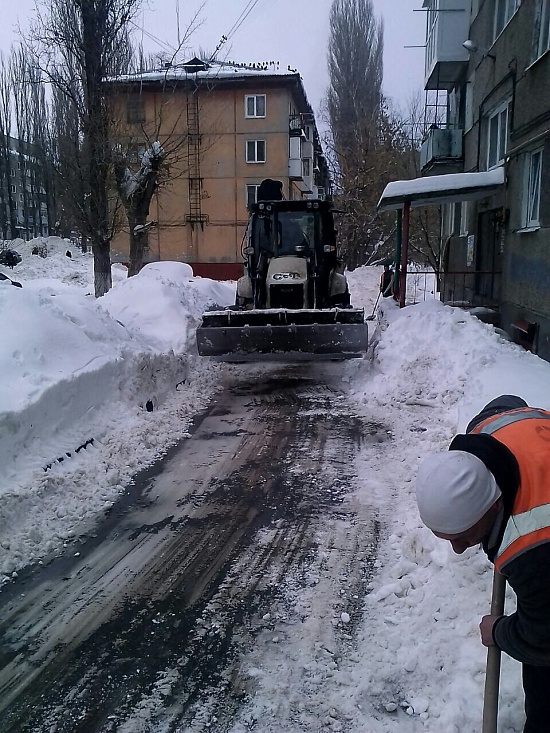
[{"x": 293, "y": 302}]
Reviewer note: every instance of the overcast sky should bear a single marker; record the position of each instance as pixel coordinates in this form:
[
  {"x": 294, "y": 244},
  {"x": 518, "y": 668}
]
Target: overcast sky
[{"x": 293, "y": 32}]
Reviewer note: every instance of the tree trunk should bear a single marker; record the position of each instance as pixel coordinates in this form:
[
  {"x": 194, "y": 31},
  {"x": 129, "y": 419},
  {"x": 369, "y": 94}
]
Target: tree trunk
[
  {"x": 102, "y": 268},
  {"x": 138, "y": 242}
]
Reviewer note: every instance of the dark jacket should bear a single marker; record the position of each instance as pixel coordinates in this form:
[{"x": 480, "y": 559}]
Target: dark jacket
[{"x": 525, "y": 634}]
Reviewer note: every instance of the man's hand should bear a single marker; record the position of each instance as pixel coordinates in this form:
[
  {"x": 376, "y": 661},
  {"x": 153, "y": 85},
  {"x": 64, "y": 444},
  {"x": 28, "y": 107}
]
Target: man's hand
[{"x": 486, "y": 629}]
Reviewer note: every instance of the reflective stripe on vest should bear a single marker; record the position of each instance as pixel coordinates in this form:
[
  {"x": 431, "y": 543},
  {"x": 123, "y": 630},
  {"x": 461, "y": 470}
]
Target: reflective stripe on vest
[
  {"x": 491, "y": 424},
  {"x": 526, "y": 433},
  {"x": 520, "y": 525}
]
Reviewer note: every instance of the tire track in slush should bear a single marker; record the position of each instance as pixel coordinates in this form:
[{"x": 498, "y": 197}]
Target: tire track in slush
[{"x": 157, "y": 607}]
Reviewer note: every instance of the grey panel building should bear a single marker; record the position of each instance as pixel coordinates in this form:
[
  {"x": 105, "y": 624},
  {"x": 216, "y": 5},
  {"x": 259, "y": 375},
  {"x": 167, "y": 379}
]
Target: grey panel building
[{"x": 487, "y": 85}]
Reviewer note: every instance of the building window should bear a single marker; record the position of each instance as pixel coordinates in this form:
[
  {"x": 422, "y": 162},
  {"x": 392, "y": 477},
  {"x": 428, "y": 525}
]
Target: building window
[
  {"x": 135, "y": 110},
  {"x": 431, "y": 34},
  {"x": 254, "y": 105},
  {"x": 255, "y": 151},
  {"x": 306, "y": 167},
  {"x": 13, "y": 188},
  {"x": 504, "y": 10},
  {"x": 12, "y": 172},
  {"x": 533, "y": 168},
  {"x": 20, "y": 197},
  {"x": 544, "y": 35},
  {"x": 251, "y": 194},
  {"x": 497, "y": 134}
]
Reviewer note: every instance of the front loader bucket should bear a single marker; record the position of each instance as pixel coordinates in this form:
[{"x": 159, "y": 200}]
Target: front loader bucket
[{"x": 283, "y": 335}]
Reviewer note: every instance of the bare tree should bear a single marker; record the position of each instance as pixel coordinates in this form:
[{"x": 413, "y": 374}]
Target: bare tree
[
  {"x": 136, "y": 189},
  {"x": 81, "y": 43},
  {"x": 371, "y": 142},
  {"x": 354, "y": 97},
  {"x": 425, "y": 222},
  {"x": 69, "y": 188},
  {"x": 7, "y": 207},
  {"x": 162, "y": 144},
  {"x": 359, "y": 125}
]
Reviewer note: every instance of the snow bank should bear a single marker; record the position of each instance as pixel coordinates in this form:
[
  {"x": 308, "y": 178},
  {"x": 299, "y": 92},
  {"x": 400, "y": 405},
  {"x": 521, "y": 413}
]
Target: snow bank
[{"x": 80, "y": 378}]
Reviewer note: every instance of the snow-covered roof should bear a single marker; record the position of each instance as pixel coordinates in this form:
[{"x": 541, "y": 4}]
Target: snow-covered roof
[
  {"x": 213, "y": 70},
  {"x": 441, "y": 189}
]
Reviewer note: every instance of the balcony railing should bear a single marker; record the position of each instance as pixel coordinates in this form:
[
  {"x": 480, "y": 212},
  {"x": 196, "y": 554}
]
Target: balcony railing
[
  {"x": 442, "y": 145},
  {"x": 295, "y": 169}
]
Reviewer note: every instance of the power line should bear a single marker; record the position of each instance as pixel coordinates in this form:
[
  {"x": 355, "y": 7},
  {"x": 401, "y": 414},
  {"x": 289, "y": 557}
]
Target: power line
[
  {"x": 237, "y": 24},
  {"x": 249, "y": 7},
  {"x": 163, "y": 44}
]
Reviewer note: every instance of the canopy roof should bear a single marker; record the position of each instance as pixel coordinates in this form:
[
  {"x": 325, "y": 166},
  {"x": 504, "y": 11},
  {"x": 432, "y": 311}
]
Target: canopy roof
[{"x": 444, "y": 189}]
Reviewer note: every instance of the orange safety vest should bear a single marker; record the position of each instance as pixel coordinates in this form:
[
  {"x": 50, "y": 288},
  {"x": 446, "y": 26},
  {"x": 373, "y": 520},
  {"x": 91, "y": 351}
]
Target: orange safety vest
[{"x": 526, "y": 432}]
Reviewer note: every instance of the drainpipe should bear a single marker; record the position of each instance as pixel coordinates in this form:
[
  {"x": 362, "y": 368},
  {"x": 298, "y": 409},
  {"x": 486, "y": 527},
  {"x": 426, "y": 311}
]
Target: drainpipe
[{"x": 404, "y": 253}]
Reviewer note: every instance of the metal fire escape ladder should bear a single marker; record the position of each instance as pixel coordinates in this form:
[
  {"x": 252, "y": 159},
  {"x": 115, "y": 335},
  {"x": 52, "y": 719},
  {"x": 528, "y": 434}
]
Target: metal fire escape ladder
[{"x": 195, "y": 215}]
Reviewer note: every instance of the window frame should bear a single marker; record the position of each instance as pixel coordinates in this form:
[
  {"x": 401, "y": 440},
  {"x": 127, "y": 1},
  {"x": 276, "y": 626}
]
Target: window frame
[
  {"x": 256, "y": 159},
  {"x": 464, "y": 218},
  {"x": 248, "y": 201},
  {"x": 532, "y": 188},
  {"x": 501, "y": 144},
  {"x": 543, "y": 40},
  {"x": 255, "y": 114},
  {"x": 431, "y": 34},
  {"x": 510, "y": 8}
]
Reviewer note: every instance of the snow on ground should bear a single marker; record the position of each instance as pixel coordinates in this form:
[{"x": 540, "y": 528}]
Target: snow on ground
[
  {"x": 79, "y": 377},
  {"x": 92, "y": 390}
]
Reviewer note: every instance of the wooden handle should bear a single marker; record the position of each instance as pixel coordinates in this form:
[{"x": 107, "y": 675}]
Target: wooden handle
[{"x": 492, "y": 675}]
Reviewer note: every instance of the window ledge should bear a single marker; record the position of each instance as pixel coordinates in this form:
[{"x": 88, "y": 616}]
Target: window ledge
[
  {"x": 539, "y": 58},
  {"x": 526, "y": 230}
]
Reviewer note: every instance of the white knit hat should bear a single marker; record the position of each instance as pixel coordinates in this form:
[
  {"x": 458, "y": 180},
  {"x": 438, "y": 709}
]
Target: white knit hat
[{"x": 454, "y": 490}]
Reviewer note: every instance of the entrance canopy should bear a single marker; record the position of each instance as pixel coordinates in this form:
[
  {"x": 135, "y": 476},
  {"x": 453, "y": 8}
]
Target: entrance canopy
[{"x": 429, "y": 190}]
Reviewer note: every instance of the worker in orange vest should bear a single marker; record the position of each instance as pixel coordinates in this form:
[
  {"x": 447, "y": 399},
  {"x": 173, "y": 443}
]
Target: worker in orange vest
[{"x": 493, "y": 487}]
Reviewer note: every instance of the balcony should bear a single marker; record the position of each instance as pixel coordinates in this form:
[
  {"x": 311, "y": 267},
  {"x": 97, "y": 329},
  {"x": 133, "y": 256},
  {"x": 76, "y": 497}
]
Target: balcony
[
  {"x": 296, "y": 126},
  {"x": 446, "y": 57},
  {"x": 299, "y": 125},
  {"x": 295, "y": 169},
  {"x": 307, "y": 149},
  {"x": 442, "y": 151}
]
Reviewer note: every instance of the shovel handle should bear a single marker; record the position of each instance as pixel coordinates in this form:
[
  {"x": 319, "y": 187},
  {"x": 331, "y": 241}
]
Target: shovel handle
[{"x": 492, "y": 675}]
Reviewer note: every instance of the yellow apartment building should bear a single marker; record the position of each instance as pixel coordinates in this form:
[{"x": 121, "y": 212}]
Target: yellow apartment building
[{"x": 225, "y": 128}]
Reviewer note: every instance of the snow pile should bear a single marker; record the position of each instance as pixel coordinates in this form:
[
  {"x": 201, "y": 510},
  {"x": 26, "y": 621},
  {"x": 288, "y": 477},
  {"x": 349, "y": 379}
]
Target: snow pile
[
  {"x": 94, "y": 390},
  {"x": 80, "y": 378},
  {"x": 162, "y": 305}
]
